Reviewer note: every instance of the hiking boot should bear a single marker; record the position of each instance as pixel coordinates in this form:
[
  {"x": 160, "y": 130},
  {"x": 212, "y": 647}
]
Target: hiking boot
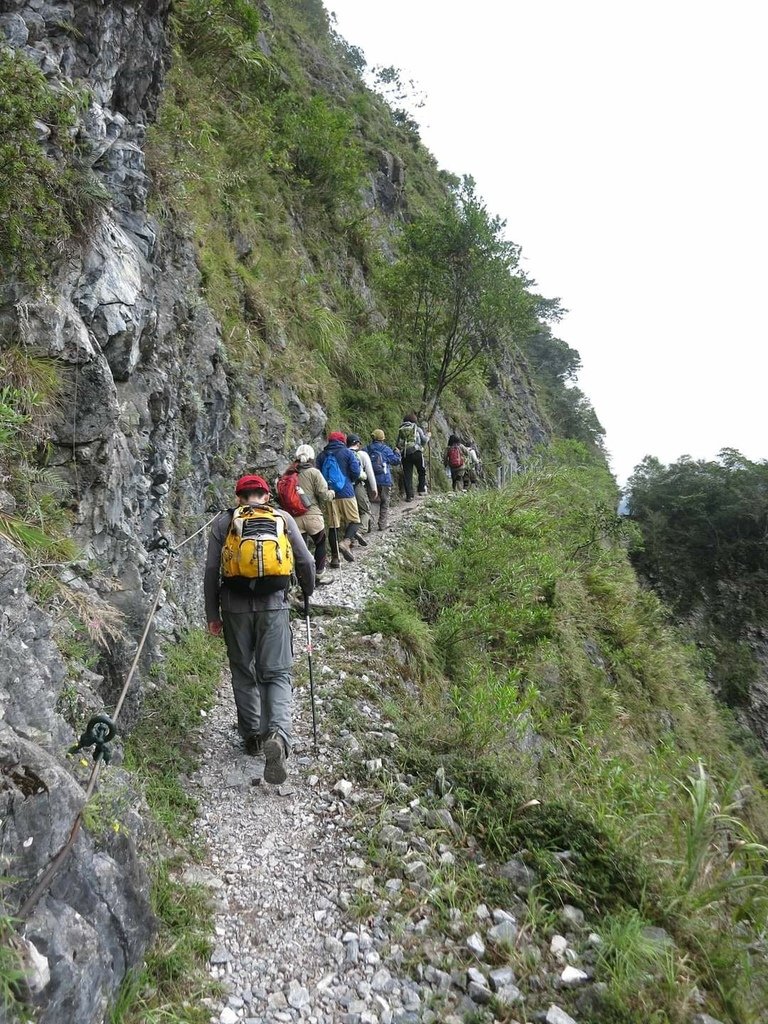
[
  {"x": 275, "y": 770},
  {"x": 345, "y": 547},
  {"x": 361, "y": 541},
  {"x": 324, "y": 580},
  {"x": 335, "y": 563},
  {"x": 253, "y": 745}
]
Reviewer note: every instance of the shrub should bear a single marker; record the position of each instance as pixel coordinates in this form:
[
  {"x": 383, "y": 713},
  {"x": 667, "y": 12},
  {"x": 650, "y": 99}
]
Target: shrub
[{"x": 44, "y": 195}]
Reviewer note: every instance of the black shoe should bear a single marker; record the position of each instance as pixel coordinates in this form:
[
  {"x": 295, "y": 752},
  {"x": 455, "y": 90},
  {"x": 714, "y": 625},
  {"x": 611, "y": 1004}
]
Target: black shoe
[
  {"x": 275, "y": 770},
  {"x": 335, "y": 563},
  {"x": 253, "y": 745},
  {"x": 361, "y": 541}
]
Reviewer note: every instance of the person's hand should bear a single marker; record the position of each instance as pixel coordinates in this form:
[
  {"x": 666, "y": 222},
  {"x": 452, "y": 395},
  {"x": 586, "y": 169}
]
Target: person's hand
[
  {"x": 375, "y": 496},
  {"x": 331, "y": 495},
  {"x": 215, "y": 627}
]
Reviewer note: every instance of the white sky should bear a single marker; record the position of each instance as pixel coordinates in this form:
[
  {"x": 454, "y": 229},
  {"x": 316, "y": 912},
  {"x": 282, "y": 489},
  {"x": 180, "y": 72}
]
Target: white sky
[{"x": 625, "y": 144}]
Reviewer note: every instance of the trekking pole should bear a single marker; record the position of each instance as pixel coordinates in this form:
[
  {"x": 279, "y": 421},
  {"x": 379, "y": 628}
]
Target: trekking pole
[{"x": 311, "y": 675}]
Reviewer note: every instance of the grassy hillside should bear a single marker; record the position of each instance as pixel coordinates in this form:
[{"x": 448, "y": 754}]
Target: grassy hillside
[
  {"x": 578, "y": 732},
  {"x": 268, "y": 144}
]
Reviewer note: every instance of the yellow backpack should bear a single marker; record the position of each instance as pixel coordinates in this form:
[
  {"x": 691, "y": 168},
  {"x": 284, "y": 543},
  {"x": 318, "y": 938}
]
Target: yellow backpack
[{"x": 257, "y": 555}]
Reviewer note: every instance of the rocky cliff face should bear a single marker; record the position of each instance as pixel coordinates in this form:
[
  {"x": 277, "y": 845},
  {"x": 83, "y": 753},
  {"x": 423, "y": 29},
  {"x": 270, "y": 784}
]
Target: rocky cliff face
[{"x": 149, "y": 442}]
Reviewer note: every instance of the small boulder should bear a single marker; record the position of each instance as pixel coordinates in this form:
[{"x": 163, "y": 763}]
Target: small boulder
[
  {"x": 557, "y": 1016},
  {"x": 573, "y": 976},
  {"x": 519, "y": 874},
  {"x": 479, "y": 993},
  {"x": 504, "y": 933}
]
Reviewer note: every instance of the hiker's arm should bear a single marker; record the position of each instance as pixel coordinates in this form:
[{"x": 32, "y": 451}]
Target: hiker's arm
[
  {"x": 393, "y": 457},
  {"x": 305, "y": 563},
  {"x": 212, "y": 568},
  {"x": 365, "y": 461}
]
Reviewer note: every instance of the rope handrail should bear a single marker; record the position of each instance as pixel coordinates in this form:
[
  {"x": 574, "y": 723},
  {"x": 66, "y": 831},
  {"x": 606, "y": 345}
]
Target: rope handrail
[{"x": 101, "y": 728}]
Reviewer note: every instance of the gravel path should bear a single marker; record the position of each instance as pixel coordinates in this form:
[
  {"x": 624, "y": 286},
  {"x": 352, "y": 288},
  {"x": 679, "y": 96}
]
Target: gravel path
[{"x": 281, "y": 861}]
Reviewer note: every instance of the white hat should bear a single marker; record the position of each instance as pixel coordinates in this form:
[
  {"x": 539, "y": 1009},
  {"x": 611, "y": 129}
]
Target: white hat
[{"x": 305, "y": 453}]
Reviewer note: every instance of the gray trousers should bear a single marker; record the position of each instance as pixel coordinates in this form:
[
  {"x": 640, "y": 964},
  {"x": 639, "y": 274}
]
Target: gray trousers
[
  {"x": 260, "y": 651},
  {"x": 385, "y": 494},
  {"x": 363, "y": 506}
]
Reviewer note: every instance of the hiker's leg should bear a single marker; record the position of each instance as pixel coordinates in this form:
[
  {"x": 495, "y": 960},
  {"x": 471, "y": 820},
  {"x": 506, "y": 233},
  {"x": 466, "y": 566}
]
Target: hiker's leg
[
  {"x": 421, "y": 469},
  {"x": 363, "y": 506},
  {"x": 319, "y": 540},
  {"x": 408, "y": 476},
  {"x": 350, "y": 518},
  {"x": 455, "y": 479},
  {"x": 384, "y": 499},
  {"x": 240, "y": 638},
  {"x": 273, "y": 663}
]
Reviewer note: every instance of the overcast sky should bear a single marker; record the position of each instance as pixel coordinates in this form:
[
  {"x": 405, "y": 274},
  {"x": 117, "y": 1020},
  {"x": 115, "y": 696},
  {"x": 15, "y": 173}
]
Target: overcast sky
[{"x": 625, "y": 144}]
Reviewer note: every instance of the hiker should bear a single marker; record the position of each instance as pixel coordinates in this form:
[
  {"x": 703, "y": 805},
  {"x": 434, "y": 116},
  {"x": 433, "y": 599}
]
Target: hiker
[
  {"x": 366, "y": 489},
  {"x": 341, "y": 468},
  {"x": 455, "y": 460},
  {"x": 252, "y": 552},
  {"x": 382, "y": 457},
  {"x": 474, "y": 469},
  {"x": 303, "y": 492},
  {"x": 411, "y": 441}
]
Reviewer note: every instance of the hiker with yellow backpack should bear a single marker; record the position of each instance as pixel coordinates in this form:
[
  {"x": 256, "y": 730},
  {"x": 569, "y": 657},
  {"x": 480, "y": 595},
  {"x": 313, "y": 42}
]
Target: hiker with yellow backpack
[{"x": 253, "y": 552}]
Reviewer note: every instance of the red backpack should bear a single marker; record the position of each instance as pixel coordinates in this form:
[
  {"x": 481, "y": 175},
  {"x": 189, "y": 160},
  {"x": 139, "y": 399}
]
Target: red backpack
[
  {"x": 455, "y": 458},
  {"x": 290, "y": 494}
]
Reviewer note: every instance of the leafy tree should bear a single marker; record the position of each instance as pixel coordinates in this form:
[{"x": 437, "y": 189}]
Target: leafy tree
[
  {"x": 705, "y": 536},
  {"x": 453, "y": 294},
  {"x": 556, "y": 365}
]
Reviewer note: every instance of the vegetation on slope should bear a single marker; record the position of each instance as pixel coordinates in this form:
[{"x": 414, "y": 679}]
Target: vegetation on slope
[
  {"x": 578, "y": 732},
  {"x": 46, "y": 195},
  {"x": 704, "y": 529},
  {"x": 268, "y": 142}
]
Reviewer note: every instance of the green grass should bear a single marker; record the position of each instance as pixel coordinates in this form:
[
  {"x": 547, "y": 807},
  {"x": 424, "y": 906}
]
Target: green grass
[
  {"x": 569, "y": 717},
  {"x": 11, "y": 967},
  {"x": 160, "y": 752}
]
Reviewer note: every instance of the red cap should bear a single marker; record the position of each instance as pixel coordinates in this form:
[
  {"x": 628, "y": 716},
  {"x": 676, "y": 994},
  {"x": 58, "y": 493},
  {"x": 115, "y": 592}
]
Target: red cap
[
  {"x": 338, "y": 436},
  {"x": 251, "y": 483}
]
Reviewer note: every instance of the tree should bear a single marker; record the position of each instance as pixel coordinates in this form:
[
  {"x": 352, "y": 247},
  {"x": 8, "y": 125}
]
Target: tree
[
  {"x": 453, "y": 294},
  {"x": 555, "y": 366},
  {"x": 705, "y": 549}
]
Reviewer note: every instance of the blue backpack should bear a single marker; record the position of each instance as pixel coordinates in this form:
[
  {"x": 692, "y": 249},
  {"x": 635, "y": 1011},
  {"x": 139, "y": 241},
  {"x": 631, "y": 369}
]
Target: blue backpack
[
  {"x": 332, "y": 473},
  {"x": 378, "y": 463}
]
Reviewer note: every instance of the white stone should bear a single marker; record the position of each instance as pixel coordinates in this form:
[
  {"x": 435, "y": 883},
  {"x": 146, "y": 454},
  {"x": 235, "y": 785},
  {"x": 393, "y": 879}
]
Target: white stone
[
  {"x": 228, "y": 1016},
  {"x": 558, "y": 946},
  {"x": 557, "y": 1016},
  {"x": 504, "y": 933},
  {"x": 573, "y": 976},
  {"x": 343, "y": 787},
  {"x": 476, "y": 945}
]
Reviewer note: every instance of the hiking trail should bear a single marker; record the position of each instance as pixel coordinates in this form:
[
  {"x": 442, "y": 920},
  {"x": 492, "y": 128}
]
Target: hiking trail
[{"x": 282, "y": 863}]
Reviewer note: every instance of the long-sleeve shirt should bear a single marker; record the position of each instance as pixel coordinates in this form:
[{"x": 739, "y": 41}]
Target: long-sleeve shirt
[
  {"x": 365, "y": 461},
  {"x": 221, "y": 598}
]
